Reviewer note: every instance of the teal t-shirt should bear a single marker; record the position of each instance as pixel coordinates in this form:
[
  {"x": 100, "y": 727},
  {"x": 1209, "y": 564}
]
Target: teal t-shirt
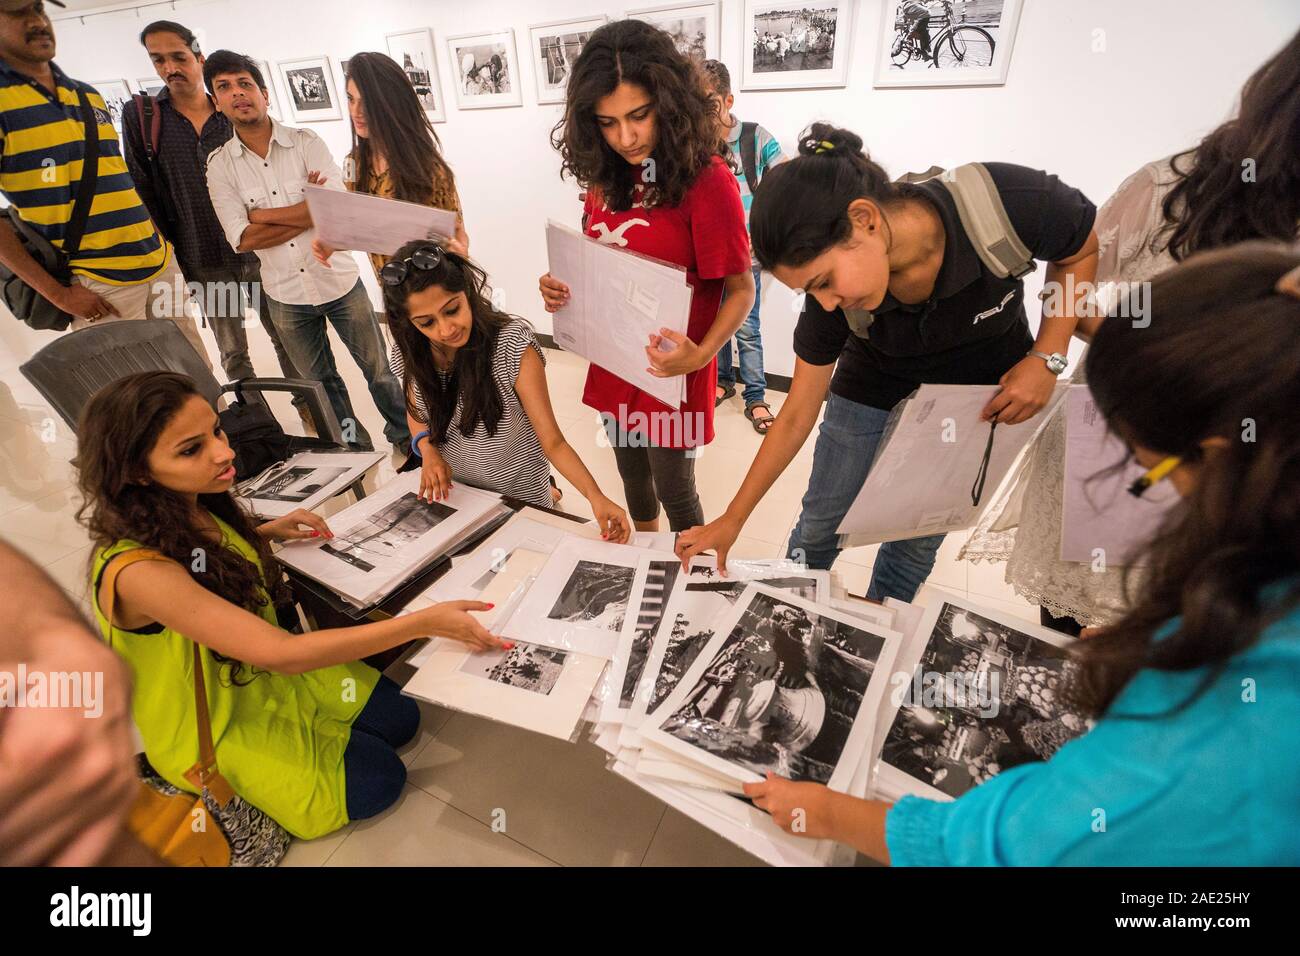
[
  {"x": 767, "y": 153},
  {"x": 1216, "y": 784}
]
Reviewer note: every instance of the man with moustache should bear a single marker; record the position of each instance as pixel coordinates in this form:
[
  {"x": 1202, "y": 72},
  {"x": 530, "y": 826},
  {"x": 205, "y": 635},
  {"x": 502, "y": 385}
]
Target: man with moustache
[
  {"x": 123, "y": 268},
  {"x": 256, "y": 182},
  {"x": 172, "y": 181}
]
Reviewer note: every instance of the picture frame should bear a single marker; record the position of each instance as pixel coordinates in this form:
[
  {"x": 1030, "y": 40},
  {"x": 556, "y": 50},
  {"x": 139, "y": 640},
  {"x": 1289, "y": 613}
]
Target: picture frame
[
  {"x": 485, "y": 67},
  {"x": 116, "y": 94},
  {"x": 414, "y": 51},
  {"x": 151, "y": 85},
  {"x": 969, "y": 43},
  {"x": 554, "y": 47},
  {"x": 313, "y": 95},
  {"x": 694, "y": 27},
  {"x": 792, "y": 46},
  {"x": 273, "y": 100}
]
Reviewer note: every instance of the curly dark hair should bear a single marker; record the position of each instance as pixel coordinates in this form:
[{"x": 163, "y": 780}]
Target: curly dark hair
[
  {"x": 471, "y": 378},
  {"x": 632, "y": 51},
  {"x": 119, "y": 427},
  {"x": 1213, "y": 204}
]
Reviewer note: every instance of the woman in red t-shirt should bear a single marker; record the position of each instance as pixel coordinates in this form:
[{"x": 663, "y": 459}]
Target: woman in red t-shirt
[{"x": 639, "y": 134}]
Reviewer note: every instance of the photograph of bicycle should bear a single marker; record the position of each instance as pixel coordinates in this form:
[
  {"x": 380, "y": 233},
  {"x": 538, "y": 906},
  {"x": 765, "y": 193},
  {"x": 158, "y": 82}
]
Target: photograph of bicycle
[{"x": 946, "y": 42}]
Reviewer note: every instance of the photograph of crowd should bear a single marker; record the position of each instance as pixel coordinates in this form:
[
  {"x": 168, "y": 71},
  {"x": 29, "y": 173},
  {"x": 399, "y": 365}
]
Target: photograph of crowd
[
  {"x": 782, "y": 691},
  {"x": 308, "y": 88},
  {"x": 962, "y": 738},
  {"x": 789, "y": 37}
]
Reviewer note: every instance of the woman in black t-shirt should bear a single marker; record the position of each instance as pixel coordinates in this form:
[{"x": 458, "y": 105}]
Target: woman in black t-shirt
[{"x": 831, "y": 222}]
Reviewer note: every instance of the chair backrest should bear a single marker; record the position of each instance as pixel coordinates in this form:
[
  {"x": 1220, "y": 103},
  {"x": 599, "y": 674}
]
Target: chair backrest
[{"x": 75, "y": 366}]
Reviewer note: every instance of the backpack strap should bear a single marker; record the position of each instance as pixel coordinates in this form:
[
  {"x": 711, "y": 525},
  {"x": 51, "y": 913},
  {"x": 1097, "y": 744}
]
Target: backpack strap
[
  {"x": 749, "y": 154},
  {"x": 76, "y": 227},
  {"x": 150, "y": 123},
  {"x": 986, "y": 222}
]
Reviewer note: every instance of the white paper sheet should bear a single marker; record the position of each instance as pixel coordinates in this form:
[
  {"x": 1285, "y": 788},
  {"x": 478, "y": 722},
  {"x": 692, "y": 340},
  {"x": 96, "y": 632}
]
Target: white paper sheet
[
  {"x": 1100, "y": 519},
  {"x": 305, "y": 480},
  {"x": 383, "y": 539},
  {"x": 785, "y": 685},
  {"x": 579, "y": 598},
  {"x": 617, "y": 300},
  {"x": 988, "y": 698},
  {"x": 369, "y": 223},
  {"x": 922, "y": 478},
  {"x": 652, "y": 586}
]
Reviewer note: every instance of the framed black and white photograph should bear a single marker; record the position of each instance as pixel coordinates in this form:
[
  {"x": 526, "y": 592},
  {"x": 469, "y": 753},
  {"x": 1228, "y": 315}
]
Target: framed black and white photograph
[
  {"x": 785, "y": 685},
  {"x": 694, "y": 27},
  {"x": 151, "y": 85},
  {"x": 526, "y": 666},
  {"x": 555, "y": 46},
  {"x": 313, "y": 97},
  {"x": 946, "y": 42},
  {"x": 798, "y": 44},
  {"x": 117, "y": 97},
  {"x": 988, "y": 692},
  {"x": 272, "y": 94},
  {"x": 413, "y": 51},
  {"x": 486, "y": 69}
]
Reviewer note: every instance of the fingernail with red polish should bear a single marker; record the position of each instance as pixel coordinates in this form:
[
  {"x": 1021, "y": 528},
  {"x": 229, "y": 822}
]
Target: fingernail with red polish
[
  {"x": 315, "y": 534},
  {"x": 491, "y": 606}
]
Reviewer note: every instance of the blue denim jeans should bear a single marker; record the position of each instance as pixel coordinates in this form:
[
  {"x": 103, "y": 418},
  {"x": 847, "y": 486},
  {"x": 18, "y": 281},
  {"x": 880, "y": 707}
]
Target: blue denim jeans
[
  {"x": 302, "y": 330},
  {"x": 373, "y": 773},
  {"x": 749, "y": 342},
  {"x": 846, "y": 445}
]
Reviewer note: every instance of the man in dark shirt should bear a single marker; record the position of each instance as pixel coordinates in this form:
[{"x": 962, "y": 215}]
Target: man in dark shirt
[{"x": 174, "y": 187}]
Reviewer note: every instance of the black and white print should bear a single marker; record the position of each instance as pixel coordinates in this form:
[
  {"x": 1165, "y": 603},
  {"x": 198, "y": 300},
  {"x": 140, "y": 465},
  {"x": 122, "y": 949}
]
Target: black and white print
[
  {"x": 529, "y": 667},
  {"x": 946, "y": 42},
  {"x": 485, "y": 68},
  {"x": 658, "y": 585},
  {"x": 595, "y": 594},
  {"x": 790, "y": 37},
  {"x": 556, "y": 47},
  {"x": 116, "y": 94},
  {"x": 295, "y": 484},
  {"x": 377, "y": 540},
  {"x": 312, "y": 95},
  {"x": 693, "y": 27},
  {"x": 781, "y": 693},
  {"x": 998, "y": 697},
  {"x": 413, "y": 52}
]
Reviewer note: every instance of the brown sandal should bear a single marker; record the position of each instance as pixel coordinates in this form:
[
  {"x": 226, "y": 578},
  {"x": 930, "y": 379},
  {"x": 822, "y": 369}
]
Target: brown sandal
[{"x": 761, "y": 425}]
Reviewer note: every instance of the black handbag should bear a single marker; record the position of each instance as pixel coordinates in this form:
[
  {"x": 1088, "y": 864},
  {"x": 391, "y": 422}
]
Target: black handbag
[
  {"x": 23, "y": 301},
  {"x": 257, "y": 438}
]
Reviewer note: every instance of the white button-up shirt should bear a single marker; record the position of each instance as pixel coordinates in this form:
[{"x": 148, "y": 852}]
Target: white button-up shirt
[{"x": 239, "y": 181}]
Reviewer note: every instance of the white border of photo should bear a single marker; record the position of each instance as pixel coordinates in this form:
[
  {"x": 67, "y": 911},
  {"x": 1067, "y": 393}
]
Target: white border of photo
[
  {"x": 995, "y": 75},
  {"x": 836, "y": 76},
  {"x": 578, "y": 25},
  {"x": 487, "y": 101},
  {"x": 322, "y": 62}
]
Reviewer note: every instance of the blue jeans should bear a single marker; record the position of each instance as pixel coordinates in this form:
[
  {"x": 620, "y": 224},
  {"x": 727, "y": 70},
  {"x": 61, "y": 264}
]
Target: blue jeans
[
  {"x": 846, "y": 445},
  {"x": 373, "y": 773},
  {"x": 749, "y": 342},
  {"x": 302, "y": 330}
]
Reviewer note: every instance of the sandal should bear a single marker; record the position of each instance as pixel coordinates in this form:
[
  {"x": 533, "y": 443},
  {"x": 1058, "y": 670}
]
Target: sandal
[
  {"x": 728, "y": 391},
  {"x": 761, "y": 425}
]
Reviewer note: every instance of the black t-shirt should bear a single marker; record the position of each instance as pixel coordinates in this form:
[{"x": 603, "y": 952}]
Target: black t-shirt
[{"x": 973, "y": 328}]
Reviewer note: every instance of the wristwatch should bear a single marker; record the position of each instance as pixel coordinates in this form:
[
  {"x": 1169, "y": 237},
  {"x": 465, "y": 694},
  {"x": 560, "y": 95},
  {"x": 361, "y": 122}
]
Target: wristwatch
[{"x": 1056, "y": 362}]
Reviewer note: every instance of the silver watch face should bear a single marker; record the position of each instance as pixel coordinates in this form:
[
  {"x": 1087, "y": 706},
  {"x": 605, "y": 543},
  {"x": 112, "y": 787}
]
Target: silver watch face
[{"x": 1056, "y": 363}]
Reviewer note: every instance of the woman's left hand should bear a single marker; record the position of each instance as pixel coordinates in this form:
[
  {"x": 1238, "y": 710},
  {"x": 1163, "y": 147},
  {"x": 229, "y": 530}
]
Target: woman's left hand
[
  {"x": 799, "y": 808},
  {"x": 685, "y": 357},
  {"x": 1026, "y": 389},
  {"x": 612, "y": 519},
  {"x": 296, "y": 525}
]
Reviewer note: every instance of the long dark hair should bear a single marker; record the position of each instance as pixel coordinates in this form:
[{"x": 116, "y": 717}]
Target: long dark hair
[
  {"x": 471, "y": 378},
  {"x": 1221, "y": 358},
  {"x": 119, "y": 427},
  {"x": 633, "y": 51},
  {"x": 1214, "y": 203},
  {"x": 399, "y": 129},
  {"x": 801, "y": 208}
]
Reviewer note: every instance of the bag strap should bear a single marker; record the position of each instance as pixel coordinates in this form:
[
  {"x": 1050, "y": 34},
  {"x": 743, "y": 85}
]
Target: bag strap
[
  {"x": 986, "y": 222},
  {"x": 150, "y": 120},
  {"x": 748, "y": 154},
  {"x": 89, "y": 176},
  {"x": 204, "y": 774}
]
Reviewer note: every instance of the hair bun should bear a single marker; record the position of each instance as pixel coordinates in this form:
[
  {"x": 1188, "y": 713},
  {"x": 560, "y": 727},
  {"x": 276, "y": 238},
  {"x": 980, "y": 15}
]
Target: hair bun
[{"x": 823, "y": 138}]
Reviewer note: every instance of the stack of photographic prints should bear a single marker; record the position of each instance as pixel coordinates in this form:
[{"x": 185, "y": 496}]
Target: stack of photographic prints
[
  {"x": 304, "y": 481},
  {"x": 981, "y": 691},
  {"x": 538, "y": 688},
  {"x": 785, "y": 684},
  {"x": 385, "y": 539}
]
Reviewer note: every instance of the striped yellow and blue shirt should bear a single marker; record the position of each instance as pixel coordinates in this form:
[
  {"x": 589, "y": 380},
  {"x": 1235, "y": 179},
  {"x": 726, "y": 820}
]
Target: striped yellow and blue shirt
[{"x": 42, "y": 146}]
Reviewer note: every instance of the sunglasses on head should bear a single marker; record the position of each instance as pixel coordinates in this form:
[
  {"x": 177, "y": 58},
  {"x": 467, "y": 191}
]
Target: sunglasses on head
[{"x": 425, "y": 258}]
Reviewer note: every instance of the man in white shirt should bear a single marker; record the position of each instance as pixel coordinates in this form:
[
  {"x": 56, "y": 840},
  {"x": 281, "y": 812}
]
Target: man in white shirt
[{"x": 256, "y": 183}]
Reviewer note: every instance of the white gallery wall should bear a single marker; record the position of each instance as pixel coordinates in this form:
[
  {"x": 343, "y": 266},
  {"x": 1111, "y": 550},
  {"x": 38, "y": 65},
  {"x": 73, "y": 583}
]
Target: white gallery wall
[{"x": 1095, "y": 89}]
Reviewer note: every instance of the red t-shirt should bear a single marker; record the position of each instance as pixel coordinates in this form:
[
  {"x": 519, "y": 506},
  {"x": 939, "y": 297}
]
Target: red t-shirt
[{"x": 706, "y": 235}]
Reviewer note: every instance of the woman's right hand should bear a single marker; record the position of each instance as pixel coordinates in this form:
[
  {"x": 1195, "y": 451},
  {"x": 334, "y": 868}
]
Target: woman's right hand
[
  {"x": 555, "y": 294},
  {"x": 452, "y": 620},
  {"x": 435, "y": 476},
  {"x": 322, "y": 252},
  {"x": 717, "y": 536}
]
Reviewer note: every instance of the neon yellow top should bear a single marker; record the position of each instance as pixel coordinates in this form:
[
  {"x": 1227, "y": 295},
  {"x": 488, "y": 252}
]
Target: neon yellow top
[{"x": 279, "y": 739}]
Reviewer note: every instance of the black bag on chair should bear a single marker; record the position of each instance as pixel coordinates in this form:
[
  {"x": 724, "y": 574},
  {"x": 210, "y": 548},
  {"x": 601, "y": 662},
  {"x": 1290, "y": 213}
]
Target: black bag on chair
[
  {"x": 23, "y": 301},
  {"x": 257, "y": 438}
]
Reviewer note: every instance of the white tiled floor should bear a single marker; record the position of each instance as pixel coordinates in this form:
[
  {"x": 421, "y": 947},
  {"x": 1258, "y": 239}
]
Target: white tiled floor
[{"x": 478, "y": 793}]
